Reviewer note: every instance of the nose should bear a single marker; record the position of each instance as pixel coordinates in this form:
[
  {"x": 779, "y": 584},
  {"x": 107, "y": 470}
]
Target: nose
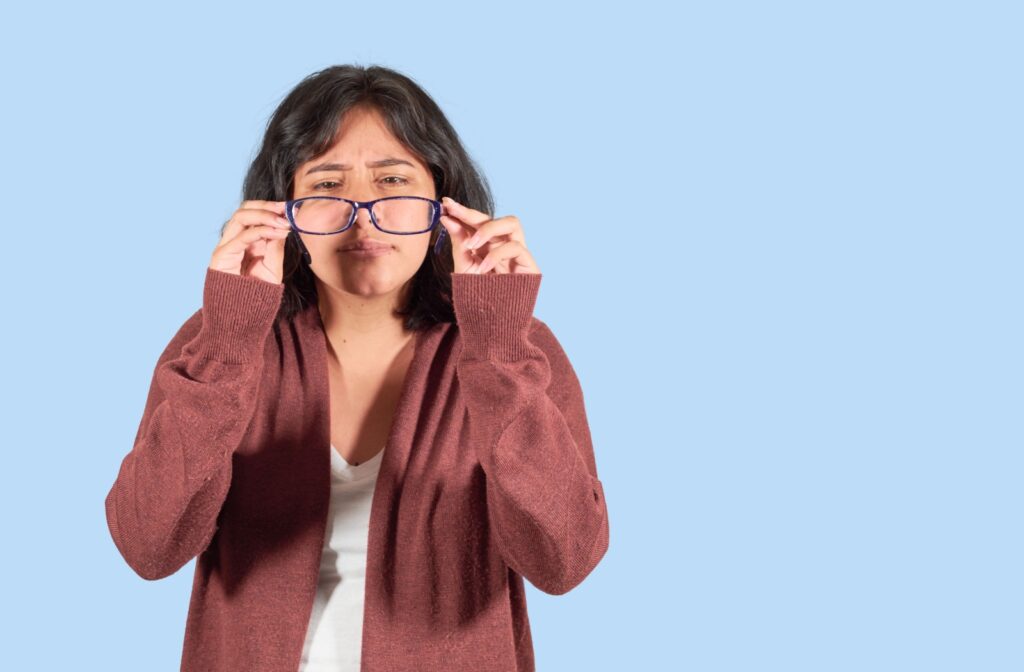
[{"x": 363, "y": 219}]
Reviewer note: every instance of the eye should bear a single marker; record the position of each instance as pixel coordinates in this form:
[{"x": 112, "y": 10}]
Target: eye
[{"x": 401, "y": 180}]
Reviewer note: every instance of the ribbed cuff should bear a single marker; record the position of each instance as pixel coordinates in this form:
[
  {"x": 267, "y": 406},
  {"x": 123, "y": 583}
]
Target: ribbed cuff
[
  {"x": 494, "y": 312},
  {"x": 238, "y": 312}
]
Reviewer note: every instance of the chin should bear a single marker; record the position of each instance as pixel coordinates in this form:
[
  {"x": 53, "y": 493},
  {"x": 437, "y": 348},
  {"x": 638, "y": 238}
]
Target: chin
[{"x": 370, "y": 281}]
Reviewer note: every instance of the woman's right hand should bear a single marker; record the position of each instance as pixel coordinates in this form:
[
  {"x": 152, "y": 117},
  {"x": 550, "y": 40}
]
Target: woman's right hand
[{"x": 253, "y": 241}]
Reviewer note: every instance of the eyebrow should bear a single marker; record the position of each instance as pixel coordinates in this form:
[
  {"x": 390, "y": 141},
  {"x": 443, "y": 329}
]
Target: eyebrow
[{"x": 390, "y": 161}]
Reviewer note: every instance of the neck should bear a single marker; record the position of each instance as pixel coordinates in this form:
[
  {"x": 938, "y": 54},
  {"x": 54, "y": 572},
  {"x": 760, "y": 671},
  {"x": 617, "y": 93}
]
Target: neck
[{"x": 358, "y": 328}]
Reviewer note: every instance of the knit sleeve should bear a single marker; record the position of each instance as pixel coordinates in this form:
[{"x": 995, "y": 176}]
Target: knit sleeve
[
  {"x": 163, "y": 506},
  {"x": 528, "y": 424}
]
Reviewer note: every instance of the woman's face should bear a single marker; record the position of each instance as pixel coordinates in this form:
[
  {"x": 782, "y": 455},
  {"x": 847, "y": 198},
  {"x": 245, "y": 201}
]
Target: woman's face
[{"x": 344, "y": 170}]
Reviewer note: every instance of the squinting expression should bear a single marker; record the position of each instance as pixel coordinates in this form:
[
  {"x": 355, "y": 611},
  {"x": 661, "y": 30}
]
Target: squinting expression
[{"x": 366, "y": 162}]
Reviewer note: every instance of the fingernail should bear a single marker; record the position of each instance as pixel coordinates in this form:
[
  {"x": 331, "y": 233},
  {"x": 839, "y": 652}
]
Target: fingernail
[
  {"x": 283, "y": 221},
  {"x": 474, "y": 241}
]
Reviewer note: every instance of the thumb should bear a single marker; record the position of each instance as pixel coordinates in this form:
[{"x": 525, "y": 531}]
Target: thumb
[
  {"x": 454, "y": 230},
  {"x": 273, "y": 258},
  {"x": 459, "y": 234}
]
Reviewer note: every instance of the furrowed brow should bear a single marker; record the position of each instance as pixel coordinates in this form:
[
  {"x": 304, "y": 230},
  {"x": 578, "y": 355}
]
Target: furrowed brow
[{"x": 382, "y": 163}]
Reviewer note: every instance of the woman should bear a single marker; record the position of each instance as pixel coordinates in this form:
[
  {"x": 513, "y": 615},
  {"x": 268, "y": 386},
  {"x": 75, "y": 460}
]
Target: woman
[{"x": 367, "y": 450}]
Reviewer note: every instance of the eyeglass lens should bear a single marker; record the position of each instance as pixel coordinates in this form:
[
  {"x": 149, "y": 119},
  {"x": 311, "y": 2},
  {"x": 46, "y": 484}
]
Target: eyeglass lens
[{"x": 403, "y": 215}]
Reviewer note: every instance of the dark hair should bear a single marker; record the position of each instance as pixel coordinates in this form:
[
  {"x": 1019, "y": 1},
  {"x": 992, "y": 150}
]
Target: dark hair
[{"x": 305, "y": 125}]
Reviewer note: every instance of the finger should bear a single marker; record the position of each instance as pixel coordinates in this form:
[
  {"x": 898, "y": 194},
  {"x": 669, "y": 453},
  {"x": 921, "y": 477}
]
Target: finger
[
  {"x": 245, "y": 217},
  {"x": 251, "y": 234},
  {"x": 464, "y": 213},
  {"x": 274, "y": 206},
  {"x": 461, "y": 228},
  {"x": 459, "y": 233},
  {"x": 273, "y": 256},
  {"x": 509, "y": 258},
  {"x": 503, "y": 226},
  {"x": 499, "y": 255},
  {"x": 458, "y": 230},
  {"x": 473, "y": 263}
]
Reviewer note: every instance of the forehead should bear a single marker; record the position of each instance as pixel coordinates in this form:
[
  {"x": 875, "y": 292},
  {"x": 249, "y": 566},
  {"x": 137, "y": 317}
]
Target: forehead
[{"x": 363, "y": 139}]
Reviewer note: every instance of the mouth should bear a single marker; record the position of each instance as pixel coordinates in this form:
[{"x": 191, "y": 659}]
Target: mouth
[{"x": 365, "y": 246}]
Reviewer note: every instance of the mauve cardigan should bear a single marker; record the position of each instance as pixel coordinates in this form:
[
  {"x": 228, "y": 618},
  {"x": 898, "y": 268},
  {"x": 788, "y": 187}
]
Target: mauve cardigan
[{"x": 488, "y": 477}]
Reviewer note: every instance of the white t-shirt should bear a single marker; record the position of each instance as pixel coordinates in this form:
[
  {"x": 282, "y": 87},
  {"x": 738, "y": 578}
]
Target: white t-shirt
[{"x": 334, "y": 636}]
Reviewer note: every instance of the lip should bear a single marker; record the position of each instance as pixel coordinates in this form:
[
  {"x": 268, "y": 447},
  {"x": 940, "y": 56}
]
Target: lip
[
  {"x": 375, "y": 252},
  {"x": 365, "y": 245}
]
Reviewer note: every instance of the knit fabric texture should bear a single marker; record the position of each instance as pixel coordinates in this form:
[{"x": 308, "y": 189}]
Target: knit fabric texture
[{"x": 488, "y": 478}]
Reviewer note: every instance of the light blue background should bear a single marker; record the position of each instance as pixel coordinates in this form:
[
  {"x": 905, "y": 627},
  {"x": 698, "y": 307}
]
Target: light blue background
[{"x": 781, "y": 243}]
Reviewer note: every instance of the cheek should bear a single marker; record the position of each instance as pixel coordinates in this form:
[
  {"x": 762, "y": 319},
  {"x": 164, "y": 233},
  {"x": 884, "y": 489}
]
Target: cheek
[{"x": 412, "y": 248}]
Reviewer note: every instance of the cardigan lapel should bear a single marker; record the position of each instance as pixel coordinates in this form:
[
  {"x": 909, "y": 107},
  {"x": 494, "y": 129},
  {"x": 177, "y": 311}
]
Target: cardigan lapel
[{"x": 386, "y": 497}]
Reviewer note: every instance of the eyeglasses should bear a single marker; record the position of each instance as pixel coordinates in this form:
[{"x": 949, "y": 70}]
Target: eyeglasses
[{"x": 397, "y": 215}]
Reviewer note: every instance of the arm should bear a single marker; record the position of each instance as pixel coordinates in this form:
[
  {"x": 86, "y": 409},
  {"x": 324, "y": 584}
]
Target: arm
[
  {"x": 163, "y": 506},
  {"x": 528, "y": 423}
]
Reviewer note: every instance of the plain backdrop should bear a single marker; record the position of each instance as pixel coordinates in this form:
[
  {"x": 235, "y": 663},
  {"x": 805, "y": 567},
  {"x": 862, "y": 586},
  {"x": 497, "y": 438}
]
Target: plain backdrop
[{"x": 781, "y": 243}]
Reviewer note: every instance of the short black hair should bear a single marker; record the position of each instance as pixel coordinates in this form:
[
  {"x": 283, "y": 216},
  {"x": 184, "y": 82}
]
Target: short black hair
[{"x": 305, "y": 125}]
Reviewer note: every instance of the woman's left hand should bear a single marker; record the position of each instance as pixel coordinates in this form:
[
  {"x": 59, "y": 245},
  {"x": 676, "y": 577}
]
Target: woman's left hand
[{"x": 484, "y": 245}]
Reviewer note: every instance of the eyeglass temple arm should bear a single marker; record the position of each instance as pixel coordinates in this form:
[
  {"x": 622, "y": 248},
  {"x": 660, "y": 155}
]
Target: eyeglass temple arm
[{"x": 440, "y": 239}]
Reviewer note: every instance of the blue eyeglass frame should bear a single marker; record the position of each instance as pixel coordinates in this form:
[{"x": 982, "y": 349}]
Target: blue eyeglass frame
[{"x": 356, "y": 205}]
